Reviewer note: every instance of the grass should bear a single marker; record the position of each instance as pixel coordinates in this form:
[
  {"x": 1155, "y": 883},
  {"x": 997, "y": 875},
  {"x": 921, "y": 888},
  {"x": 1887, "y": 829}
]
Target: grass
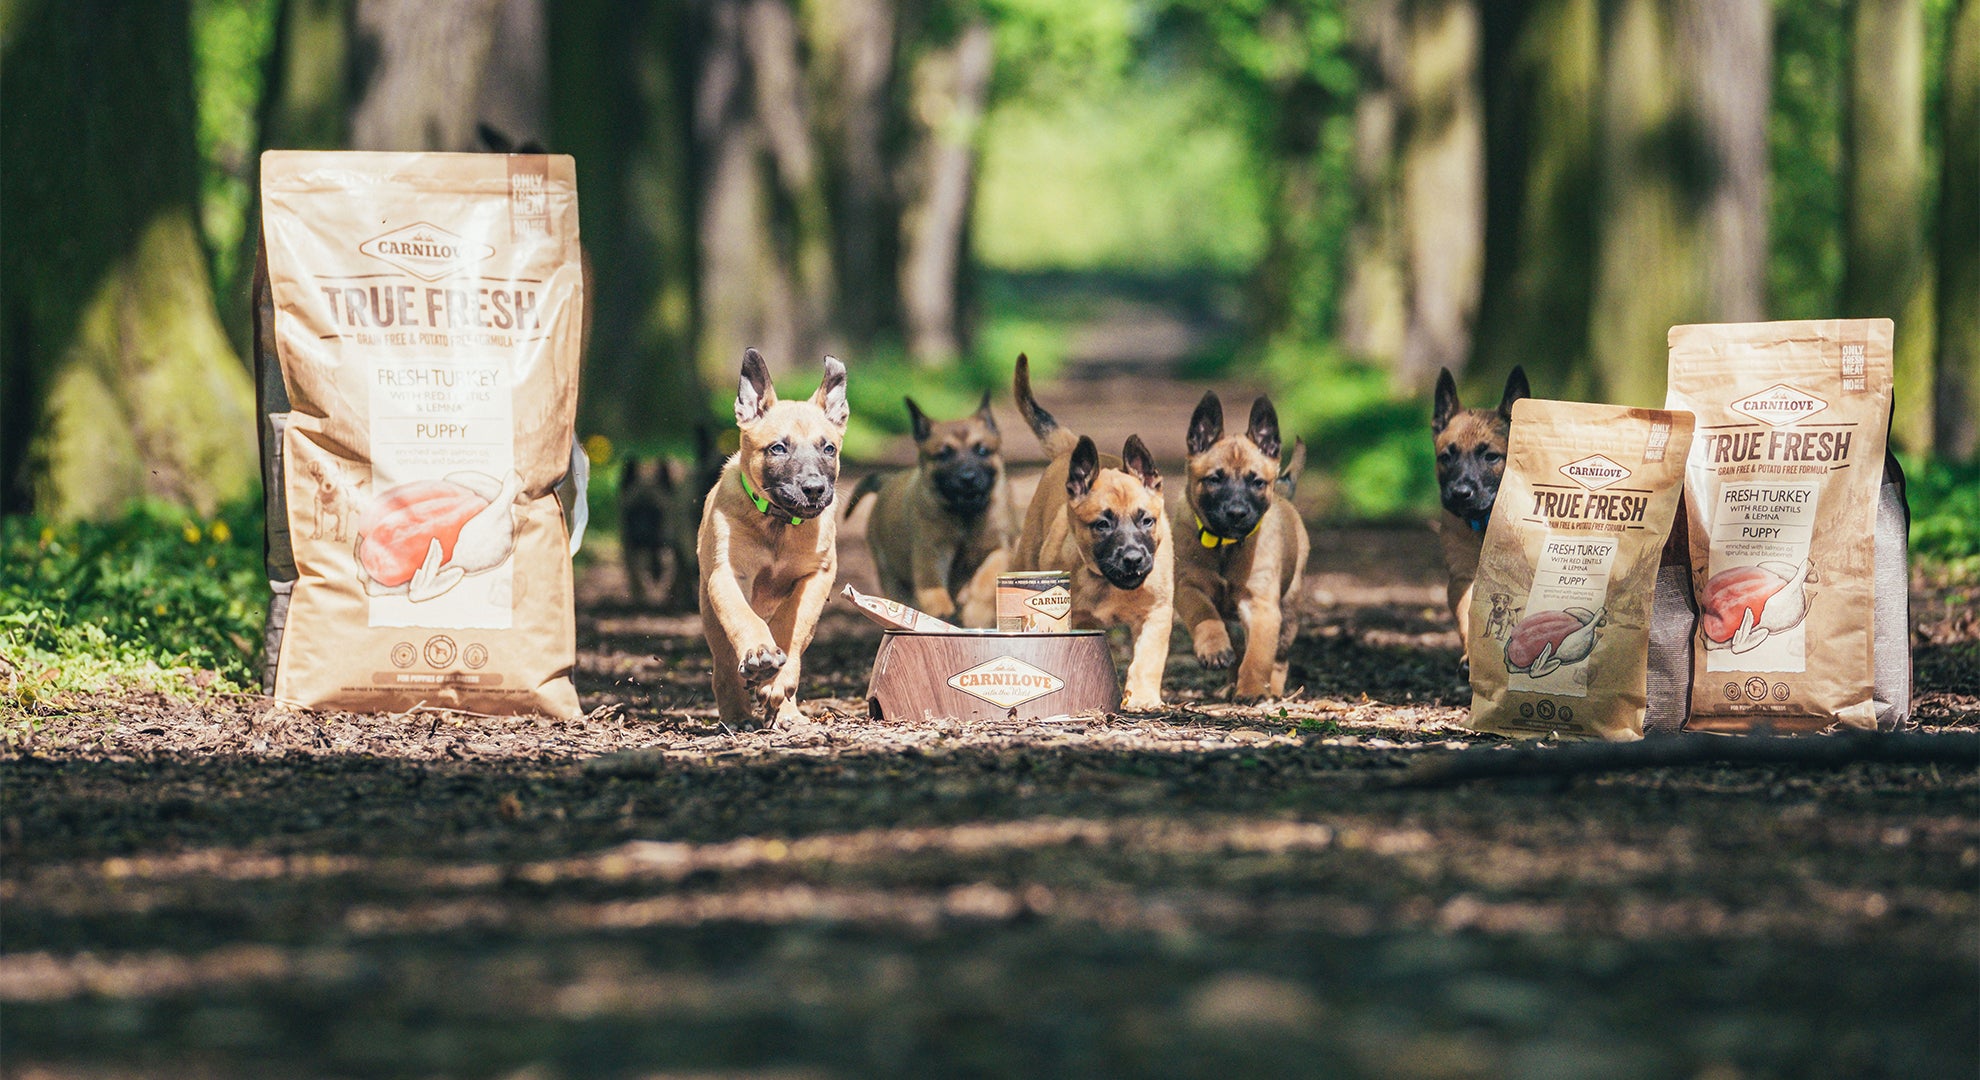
[{"x": 158, "y": 599}]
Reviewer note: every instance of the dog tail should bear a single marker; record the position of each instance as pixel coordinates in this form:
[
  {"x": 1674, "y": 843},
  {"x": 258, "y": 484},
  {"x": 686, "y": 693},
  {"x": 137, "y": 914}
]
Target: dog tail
[
  {"x": 1055, "y": 439},
  {"x": 868, "y": 485},
  {"x": 1296, "y": 464}
]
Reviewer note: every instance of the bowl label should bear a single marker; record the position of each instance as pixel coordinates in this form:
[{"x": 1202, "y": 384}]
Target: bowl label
[{"x": 1006, "y": 682}]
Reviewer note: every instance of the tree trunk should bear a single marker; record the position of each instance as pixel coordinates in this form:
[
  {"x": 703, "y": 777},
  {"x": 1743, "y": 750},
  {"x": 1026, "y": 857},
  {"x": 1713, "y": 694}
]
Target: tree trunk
[
  {"x": 621, "y": 108},
  {"x": 1955, "y": 434},
  {"x": 853, "y": 84},
  {"x": 1884, "y": 269},
  {"x": 420, "y": 66},
  {"x": 302, "y": 107},
  {"x": 764, "y": 227},
  {"x": 116, "y": 379},
  {"x": 1443, "y": 176},
  {"x": 1543, "y": 83},
  {"x": 514, "y": 97},
  {"x": 951, "y": 89},
  {"x": 1682, "y": 210},
  {"x": 1374, "y": 296}
]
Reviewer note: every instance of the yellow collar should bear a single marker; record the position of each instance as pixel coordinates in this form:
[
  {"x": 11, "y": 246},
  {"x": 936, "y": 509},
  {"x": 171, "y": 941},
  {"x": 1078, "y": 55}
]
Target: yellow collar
[{"x": 1212, "y": 541}]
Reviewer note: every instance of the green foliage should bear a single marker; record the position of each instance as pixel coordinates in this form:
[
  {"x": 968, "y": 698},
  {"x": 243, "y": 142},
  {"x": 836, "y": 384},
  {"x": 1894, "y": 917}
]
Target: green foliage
[
  {"x": 1945, "y": 518},
  {"x": 1371, "y": 445},
  {"x": 1150, "y": 174},
  {"x": 151, "y": 599}
]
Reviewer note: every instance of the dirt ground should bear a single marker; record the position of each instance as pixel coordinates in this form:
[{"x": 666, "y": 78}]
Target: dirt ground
[{"x": 217, "y": 889}]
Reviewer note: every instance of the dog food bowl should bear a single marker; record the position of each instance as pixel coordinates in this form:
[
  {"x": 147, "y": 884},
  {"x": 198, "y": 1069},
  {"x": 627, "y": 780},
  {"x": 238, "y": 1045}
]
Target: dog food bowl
[{"x": 988, "y": 675}]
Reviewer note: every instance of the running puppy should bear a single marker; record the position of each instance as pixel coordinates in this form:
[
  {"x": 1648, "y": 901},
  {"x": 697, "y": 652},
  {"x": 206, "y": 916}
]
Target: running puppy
[
  {"x": 1240, "y": 546},
  {"x": 1471, "y": 456},
  {"x": 1102, "y": 519},
  {"x": 768, "y": 550},
  {"x": 942, "y": 532}
]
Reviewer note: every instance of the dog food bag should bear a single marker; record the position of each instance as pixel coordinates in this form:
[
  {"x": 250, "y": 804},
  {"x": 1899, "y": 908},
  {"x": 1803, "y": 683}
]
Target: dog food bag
[
  {"x": 893, "y": 614},
  {"x": 427, "y": 313},
  {"x": 1782, "y": 499},
  {"x": 1560, "y": 613}
]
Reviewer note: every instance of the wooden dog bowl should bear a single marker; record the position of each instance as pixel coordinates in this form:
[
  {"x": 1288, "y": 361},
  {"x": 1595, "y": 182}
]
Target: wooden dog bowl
[{"x": 987, "y": 675}]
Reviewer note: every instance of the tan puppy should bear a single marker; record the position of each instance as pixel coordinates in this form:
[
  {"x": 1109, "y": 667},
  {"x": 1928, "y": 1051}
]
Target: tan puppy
[
  {"x": 942, "y": 532},
  {"x": 1471, "y": 457},
  {"x": 1240, "y": 547},
  {"x": 767, "y": 548},
  {"x": 1102, "y": 519}
]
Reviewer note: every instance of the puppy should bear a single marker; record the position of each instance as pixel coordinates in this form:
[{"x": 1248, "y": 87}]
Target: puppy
[
  {"x": 1240, "y": 547},
  {"x": 1471, "y": 456},
  {"x": 646, "y": 502},
  {"x": 768, "y": 550},
  {"x": 1102, "y": 518},
  {"x": 942, "y": 532}
]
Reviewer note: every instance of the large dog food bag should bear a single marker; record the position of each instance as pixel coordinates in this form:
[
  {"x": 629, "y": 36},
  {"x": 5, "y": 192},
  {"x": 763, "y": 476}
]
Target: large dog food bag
[
  {"x": 1788, "y": 528},
  {"x": 427, "y": 313},
  {"x": 1560, "y": 612}
]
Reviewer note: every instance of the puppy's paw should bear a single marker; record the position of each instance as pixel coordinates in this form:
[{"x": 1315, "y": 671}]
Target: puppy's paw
[
  {"x": 788, "y": 717},
  {"x": 1141, "y": 702},
  {"x": 1214, "y": 657},
  {"x": 936, "y": 602},
  {"x": 760, "y": 662}
]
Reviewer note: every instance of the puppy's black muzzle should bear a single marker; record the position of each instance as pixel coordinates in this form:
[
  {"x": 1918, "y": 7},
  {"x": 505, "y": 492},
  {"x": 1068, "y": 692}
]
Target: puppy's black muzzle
[
  {"x": 965, "y": 489},
  {"x": 1126, "y": 558},
  {"x": 1469, "y": 491},
  {"x": 1233, "y": 516}
]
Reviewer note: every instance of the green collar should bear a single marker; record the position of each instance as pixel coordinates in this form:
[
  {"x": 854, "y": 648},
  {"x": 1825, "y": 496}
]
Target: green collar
[
  {"x": 762, "y": 504},
  {"x": 1212, "y": 541}
]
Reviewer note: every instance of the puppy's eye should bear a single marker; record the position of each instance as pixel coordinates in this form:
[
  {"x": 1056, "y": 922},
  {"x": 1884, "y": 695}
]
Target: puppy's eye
[
  {"x": 1493, "y": 457},
  {"x": 1102, "y": 524},
  {"x": 828, "y": 450},
  {"x": 1255, "y": 482},
  {"x": 945, "y": 453},
  {"x": 1448, "y": 453},
  {"x": 1144, "y": 519},
  {"x": 982, "y": 450},
  {"x": 778, "y": 449},
  {"x": 1216, "y": 477}
]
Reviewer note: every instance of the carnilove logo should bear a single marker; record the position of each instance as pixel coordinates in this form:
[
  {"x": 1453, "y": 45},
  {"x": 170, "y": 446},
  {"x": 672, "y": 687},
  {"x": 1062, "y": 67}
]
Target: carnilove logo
[
  {"x": 1780, "y": 404},
  {"x": 427, "y": 252},
  {"x": 1594, "y": 473},
  {"x": 1055, "y": 601},
  {"x": 1006, "y": 682}
]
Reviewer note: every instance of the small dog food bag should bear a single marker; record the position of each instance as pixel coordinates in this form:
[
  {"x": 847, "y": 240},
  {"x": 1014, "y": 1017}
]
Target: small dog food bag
[
  {"x": 1560, "y": 612},
  {"x": 426, "y": 311},
  {"x": 1788, "y": 525}
]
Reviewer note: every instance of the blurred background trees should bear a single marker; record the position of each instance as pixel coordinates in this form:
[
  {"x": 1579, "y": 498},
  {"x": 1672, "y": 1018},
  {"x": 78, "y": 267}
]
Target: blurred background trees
[{"x": 1336, "y": 197}]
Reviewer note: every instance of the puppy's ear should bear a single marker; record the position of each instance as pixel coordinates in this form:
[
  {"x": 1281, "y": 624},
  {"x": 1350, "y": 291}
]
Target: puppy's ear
[
  {"x": 1447, "y": 404},
  {"x": 669, "y": 472},
  {"x": 918, "y": 419},
  {"x": 629, "y": 473},
  {"x": 1263, "y": 430},
  {"x": 1516, "y": 388},
  {"x": 754, "y": 395},
  {"x": 983, "y": 413},
  {"x": 831, "y": 395},
  {"x": 1082, "y": 468},
  {"x": 1206, "y": 424},
  {"x": 494, "y": 138},
  {"x": 1140, "y": 464}
]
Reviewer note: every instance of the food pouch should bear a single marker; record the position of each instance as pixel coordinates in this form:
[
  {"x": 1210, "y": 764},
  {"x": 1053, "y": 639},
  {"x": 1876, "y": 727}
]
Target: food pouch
[
  {"x": 1782, "y": 508},
  {"x": 1560, "y": 612},
  {"x": 426, "y": 312}
]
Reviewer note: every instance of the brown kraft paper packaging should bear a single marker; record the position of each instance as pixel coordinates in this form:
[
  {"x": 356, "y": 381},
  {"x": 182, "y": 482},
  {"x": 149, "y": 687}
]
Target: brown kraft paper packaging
[
  {"x": 1560, "y": 614},
  {"x": 427, "y": 317},
  {"x": 1782, "y": 511}
]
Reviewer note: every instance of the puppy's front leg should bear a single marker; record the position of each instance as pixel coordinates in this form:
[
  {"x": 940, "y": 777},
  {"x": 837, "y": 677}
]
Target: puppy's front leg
[
  {"x": 1261, "y": 618},
  {"x": 1198, "y": 611},
  {"x": 1151, "y": 655},
  {"x": 793, "y": 624},
  {"x": 931, "y": 580}
]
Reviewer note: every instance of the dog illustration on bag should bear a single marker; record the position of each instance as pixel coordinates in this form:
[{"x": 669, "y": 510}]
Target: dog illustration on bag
[
  {"x": 420, "y": 539},
  {"x": 331, "y": 516}
]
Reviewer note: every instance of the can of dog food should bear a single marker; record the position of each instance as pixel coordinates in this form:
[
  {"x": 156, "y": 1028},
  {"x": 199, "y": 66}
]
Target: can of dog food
[{"x": 1034, "y": 602}]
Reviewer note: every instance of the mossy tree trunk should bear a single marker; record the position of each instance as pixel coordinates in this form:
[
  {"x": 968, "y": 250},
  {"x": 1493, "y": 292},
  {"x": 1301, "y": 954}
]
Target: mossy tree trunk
[
  {"x": 1957, "y": 355},
  {"x": 1543, "y": 82},
  {"x": 854, "y": 83},
  {"x": 1681, "y": 217},
  {"x": 622, "y": 80},
  {"x": 1885, "y": 273},
  {"x": 949, "y": 96},
  {"x": 116, "y": 379},
  {"x": 1443, "y": 178},
  {"x": 1374, "y": 290}
]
